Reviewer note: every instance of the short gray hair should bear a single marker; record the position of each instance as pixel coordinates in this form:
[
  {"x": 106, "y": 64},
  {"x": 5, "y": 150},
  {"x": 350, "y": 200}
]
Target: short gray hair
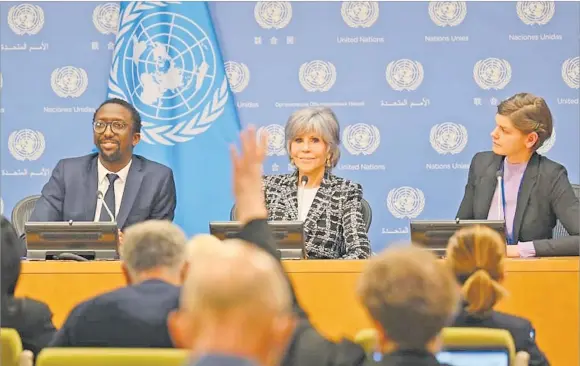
[
  {"x": 320, "y": 120},
  {"x": 153, "y": 244}
]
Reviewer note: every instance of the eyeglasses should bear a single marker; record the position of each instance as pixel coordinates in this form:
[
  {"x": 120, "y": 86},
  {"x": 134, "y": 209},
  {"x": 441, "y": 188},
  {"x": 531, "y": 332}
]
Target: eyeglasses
[{"x": 116, "y": 126}]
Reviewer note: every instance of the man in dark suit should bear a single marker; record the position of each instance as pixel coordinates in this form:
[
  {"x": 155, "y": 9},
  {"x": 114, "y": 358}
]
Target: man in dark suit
[
  {"x": 153, "y": 261},
  {"x": 134, "y": 189},
  {"x": 32, "y": 319},
  {"x": 533, "y": 191}
]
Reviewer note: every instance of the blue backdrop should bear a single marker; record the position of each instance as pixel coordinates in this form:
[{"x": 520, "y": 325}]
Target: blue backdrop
[{"x": 414, "y": 86}]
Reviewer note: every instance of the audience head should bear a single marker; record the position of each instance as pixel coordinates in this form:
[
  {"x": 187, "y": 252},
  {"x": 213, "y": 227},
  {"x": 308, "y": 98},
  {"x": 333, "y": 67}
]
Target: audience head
[
  {"x": 116, "y": 130},
  {"x": 523, "y": 123},
  {"x": 476, "y": 256},
  {"x": 312, "y": 139},
  {"x": 411, "y": 295},
  {"x": 154, "y": 249},
  {"x": 235, "y": 300},
  {"x": 11, "y": 252}
]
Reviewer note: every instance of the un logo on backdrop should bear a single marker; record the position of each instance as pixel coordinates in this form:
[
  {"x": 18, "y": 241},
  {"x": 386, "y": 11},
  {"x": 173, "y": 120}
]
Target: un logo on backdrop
[
  {"x": 571, "y": 72},
  {"x": 448, "y": 138},
  {"x": 106, "y": 18},
  {"x": 317, "y": 76},
  {"x": 447, "y": 13},
  {"x": 26, "y": 144},
  {"x": 26, "y": 19},
  {"x": 238, "y": 75},
  {"x": 404, "y": 74},
  {"x": 535, "y": 12},
  {"x": 276, "y": 139},
  {"x": 273, "y": 14},
  {"x": 69, "y": 81},
  {"x": 169, "y": 78},
  {"x": 405, "y": 202},
  {"x": 492, "y": 73},
  {"x": 360, "y": 13},
  {"x": 547, "y": 145},
  {"x": 361, "y": 138}
]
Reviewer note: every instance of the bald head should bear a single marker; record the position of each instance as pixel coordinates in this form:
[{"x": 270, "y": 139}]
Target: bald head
[{"x": 233, "y": 276}]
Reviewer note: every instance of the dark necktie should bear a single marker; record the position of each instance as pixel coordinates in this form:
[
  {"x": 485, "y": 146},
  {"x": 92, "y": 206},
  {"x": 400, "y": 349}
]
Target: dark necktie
[{"x": 109, "y": 198}]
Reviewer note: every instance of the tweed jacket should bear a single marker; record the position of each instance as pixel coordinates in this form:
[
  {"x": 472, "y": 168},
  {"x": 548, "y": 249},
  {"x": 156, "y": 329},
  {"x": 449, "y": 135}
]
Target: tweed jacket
[{"x": 334, "y": 227}]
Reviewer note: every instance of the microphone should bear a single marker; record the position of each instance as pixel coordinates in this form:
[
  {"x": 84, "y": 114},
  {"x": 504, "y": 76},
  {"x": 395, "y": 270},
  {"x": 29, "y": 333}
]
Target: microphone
[
  {"x": 303, "y": 182},
  {"x": 499, "y": 175},
  {"x": 100, "y": 197}
]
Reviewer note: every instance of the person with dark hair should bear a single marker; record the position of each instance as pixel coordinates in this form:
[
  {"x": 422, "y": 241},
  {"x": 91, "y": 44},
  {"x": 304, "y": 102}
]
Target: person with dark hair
[
  {"x": 516, "y": 184},
  {"x": 32, "y": 319},
  {"x": 131, "y": 188}
]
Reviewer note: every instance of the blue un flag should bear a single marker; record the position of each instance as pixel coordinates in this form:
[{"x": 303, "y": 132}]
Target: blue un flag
[{"x": 167, "y": 63}]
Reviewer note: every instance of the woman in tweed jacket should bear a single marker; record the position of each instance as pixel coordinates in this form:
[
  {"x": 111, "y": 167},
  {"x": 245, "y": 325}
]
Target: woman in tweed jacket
[{"x": 330, "y": 206}]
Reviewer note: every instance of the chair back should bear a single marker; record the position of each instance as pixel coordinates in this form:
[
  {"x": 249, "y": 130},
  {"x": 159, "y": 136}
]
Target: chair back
[
  {"x": 479, "y": 338},
  {"x": 22, "y": 211},
  {"x": 366, "y": 211},
  {"x": 559, "y": 230},
  {"x": 11, "y": 347},
  {"x": 112, "y": 356}
]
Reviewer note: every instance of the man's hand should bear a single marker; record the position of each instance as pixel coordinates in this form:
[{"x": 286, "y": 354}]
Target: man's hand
[
  {"x": 247, "y": 176},
  {"x": 513, "y": 251}
]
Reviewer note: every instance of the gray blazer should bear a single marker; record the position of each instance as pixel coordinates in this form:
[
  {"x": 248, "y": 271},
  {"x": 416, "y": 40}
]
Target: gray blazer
[
  {"x": 334, "y": 227},
  {"x": 545, "y": 196}
]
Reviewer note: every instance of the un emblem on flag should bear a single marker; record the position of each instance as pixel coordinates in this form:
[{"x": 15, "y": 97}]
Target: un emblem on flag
[
  {"x": 26, "y": 144},
  {"x": 361, "y": 138},
  {"x": 571, "y": 72},
  {"x": 165, "y": 64},
  {"x": 448, "y": 138},
  {"x": 535, "y": 12},
  {"x": 406, "y": 202}
]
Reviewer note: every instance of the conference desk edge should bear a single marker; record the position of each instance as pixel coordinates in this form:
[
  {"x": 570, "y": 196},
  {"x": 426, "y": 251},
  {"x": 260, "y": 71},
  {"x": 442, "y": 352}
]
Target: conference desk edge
[{"x": 552, "y": 264}]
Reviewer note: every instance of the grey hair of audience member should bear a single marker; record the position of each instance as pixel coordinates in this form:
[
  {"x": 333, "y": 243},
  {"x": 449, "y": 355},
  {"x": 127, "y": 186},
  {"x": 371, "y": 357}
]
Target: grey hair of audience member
[
  {"x": 153, "y": 244},
  {"x": 210, "y": 285},
  {"x": 320, "y": 120}
]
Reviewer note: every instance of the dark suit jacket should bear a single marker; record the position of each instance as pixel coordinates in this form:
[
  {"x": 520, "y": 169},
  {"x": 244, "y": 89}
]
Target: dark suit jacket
[
  {"x": 307, "y": 347},
  {"x": 545, "y": 196},
  {"x": 334, "y": 227},
  {"x": 522, "y": 332},
  {"x": 133, "y": 316},
  {"x": 408, "y": 358},
  {"x": 32, "y": 320},
  {"x": 71, "y": 192}
]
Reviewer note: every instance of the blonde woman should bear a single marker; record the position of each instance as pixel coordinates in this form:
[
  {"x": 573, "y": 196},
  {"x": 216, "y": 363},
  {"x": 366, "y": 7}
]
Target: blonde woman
[{"x": 476, "y": 256}]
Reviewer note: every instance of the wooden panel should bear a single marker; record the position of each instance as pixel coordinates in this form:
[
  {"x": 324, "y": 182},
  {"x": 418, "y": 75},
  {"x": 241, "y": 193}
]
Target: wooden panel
[{"x": 544, "y": 290}]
